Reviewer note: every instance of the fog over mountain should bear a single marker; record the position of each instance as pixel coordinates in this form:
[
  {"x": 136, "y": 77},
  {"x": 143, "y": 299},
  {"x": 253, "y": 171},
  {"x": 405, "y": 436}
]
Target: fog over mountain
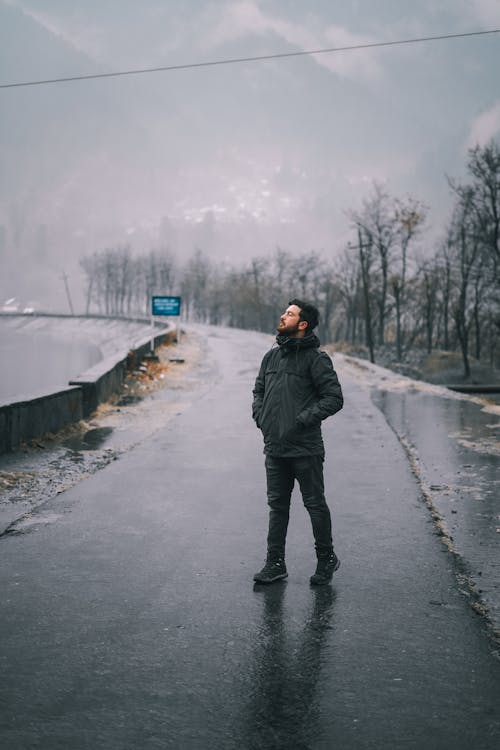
[{"x": 233, "y": 159}]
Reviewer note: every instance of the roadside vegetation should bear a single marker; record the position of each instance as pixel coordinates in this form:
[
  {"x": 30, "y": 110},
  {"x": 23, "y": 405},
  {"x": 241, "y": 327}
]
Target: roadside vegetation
[{"x": 389, "y": 296}]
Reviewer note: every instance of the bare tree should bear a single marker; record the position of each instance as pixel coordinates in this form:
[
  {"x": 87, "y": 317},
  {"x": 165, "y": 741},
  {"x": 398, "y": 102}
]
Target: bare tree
[
  {"x": 428, "y": 275},
  {"x": 483, "y": 196},
  {"x": 477, "y": 252},
  {"x": 466, "y": 246},
  {"x": 195, "y": 286},
  {"x": 377, "y": 227},
  {"x": 89, "y": 264},
  {"x": 348, "y": 275},
  {"x": 366, "y": 254},
  {"x": 445, "y": 289},
  {"x": 409, "y": 217}
]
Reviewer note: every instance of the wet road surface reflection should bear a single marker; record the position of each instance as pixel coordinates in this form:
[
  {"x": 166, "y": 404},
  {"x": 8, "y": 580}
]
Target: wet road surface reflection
[
  {"x": 287, "y": 670},
  {"x": 455, "y": 445}
]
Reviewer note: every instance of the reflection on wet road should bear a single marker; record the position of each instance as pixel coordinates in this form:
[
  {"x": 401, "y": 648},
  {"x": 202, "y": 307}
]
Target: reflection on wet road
[
  {"x": 286, "y": 670},
  {"x": 457, "y": 446}
]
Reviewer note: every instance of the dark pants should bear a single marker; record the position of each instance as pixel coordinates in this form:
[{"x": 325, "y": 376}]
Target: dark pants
[{"x": 281, "y": 475}]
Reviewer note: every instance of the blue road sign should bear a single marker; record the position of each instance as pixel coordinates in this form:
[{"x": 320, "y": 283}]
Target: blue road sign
[{"x": 165, "y": 305}]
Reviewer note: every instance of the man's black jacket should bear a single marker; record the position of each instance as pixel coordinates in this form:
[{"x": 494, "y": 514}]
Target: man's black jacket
[{"x": 296, "y": 389}]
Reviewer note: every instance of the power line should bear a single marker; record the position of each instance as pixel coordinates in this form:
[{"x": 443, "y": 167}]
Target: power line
[{"x": 257, "y": 58}]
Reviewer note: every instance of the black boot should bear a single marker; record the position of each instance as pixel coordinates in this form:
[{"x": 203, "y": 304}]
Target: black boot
[
  {"x": 273, "y": 570},
  {"x": 328, "y": 563}
]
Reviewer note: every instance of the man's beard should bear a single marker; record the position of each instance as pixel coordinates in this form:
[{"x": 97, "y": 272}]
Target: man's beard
[{"x": 289, "y": 333}]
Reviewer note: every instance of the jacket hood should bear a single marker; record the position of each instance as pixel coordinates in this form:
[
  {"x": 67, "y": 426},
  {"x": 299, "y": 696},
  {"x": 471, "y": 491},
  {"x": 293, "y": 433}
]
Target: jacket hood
[{"x": 288, "y": 344}]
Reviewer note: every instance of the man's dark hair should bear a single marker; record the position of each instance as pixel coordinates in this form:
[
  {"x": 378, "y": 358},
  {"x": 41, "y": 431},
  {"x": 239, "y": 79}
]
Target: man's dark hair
[{"x": 308, "y": 312}]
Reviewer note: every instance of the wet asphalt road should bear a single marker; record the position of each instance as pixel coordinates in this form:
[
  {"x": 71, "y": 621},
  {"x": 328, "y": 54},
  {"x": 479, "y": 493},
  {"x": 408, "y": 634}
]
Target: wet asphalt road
[
  {"x": 130, "y": 620},
  {"x": 454, "y": 446}
]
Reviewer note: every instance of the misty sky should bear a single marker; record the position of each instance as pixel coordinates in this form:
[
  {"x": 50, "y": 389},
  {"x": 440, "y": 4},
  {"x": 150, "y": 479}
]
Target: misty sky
[{"x": 234, "y": 159}]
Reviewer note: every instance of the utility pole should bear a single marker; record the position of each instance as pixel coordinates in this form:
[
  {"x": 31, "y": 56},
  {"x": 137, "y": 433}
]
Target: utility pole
[{"x": 64, "y": 277}]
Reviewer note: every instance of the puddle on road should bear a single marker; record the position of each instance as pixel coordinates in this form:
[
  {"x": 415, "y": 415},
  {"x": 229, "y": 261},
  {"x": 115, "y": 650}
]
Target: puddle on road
[
  {"x": 456, "y": 448},
  {"x": 449, "y": 435},
  {"x": 89, "y": 441},
  {"x": 128, "y": 400}
]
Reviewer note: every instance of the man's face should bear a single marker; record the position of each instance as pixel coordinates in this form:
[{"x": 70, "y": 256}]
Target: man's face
[{"x": 290, "y": 323}]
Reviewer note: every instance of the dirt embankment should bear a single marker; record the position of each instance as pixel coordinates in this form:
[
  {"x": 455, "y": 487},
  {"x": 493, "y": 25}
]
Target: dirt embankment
[{"x": 439, "y": 367}]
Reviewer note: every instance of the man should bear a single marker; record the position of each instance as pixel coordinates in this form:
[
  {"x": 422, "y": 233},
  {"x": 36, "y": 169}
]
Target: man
[{"x": 296, "y": 389}]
